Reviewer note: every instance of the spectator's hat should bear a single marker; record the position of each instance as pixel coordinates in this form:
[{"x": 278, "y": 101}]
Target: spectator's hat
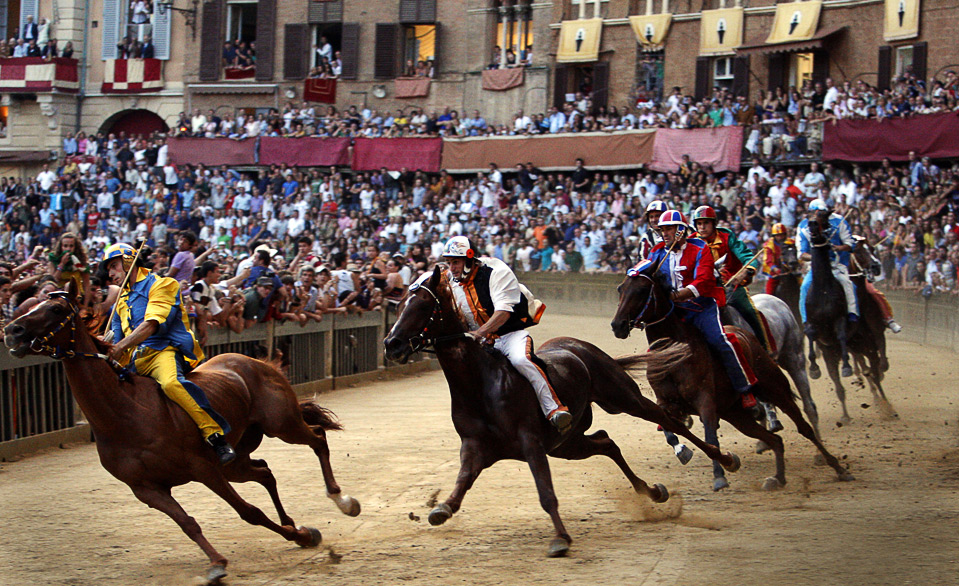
[
  {"x": 322, "y": 268},
  {"x": 353, "y": 267},
  {"x": 264, "y": 282},
  {"x": 272, "y": 251},
  {"x": 399, "y": 256}
]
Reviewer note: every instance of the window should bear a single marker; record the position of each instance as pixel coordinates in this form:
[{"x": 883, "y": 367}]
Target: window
[
  {"x": 649, "y": 75},
  {"x": 515, "y": 36},
  {"x": 723, "y": 72},
  {"x": 129, "y": 24},
  {"x": 419, "y": 50},
  {"x": 323, "y": 34},
  {"x": 241, "y": 22},
  {"x": 904, "y": 57},
  {"x": 4, "y": 111},
  {"x": 588, "y": 10}
]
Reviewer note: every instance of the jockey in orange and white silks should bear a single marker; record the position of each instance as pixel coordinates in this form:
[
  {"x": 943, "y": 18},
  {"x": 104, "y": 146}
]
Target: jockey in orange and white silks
[{"x": 496, "y": 306}]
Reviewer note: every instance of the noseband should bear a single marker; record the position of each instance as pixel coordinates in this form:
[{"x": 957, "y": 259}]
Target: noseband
[{"x": 651, "y": 298}]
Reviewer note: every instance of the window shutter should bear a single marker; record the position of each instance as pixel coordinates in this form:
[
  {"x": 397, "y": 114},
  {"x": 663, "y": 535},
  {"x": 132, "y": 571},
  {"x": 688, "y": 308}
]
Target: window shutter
[
  {"x": 777, "y": 72},
  {"x": 111, "y": 29},
  {"x": 919, "y": 53},
  {"x": 4, "y": 11},
  {"x": 600, "y": 85},
  {"x": 161, "y": 32},
  {"x": 560, "y": 83},
  {"x": 820, "y": 66},
  {"x": 350, "y": 50},
  {"x": 324, "y": 11},
  {"x": 32, "y": 7},
  {"x": 417, "y": 11},
  {"x": 884, "y": 74},
  {"x": 265, "y": 39},
  {"x": 703, "y": 65},
  {"x": 211, "y": 40},
  {"x": 741, "y": 76},
  {"x": 296, "y": 51},
  {"x": 437, "y": 48},
  {"x": 387, "y": 50}
]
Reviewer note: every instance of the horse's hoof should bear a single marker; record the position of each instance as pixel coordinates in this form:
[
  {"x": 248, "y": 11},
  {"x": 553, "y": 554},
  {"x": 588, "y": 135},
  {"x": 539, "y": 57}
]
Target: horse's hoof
[
  {"x": 558, "y": 548},
  {"x": 775, "y": 425},
  {"x": 735, "y": 466},
  {"x": 819, "y": 460},
  {"x": 315, "y": 537},
  {"x": 663, "y": 493},
  {"x": 347, "y": 504},
  {"x": 684, "y": 454},
  {"x": 814, "y": 372},
  {"x": 846, "y": 371},
  {"x": 772, "y": 483},
  {"x": 215, "y": 574},
  {"x": 719, "y": 484},
  {"x": 440, "y": 514},
  {"x": 846, "y": 476},
  {"x": 845, "y": 420},
  {"x": 761, "y": 446}
]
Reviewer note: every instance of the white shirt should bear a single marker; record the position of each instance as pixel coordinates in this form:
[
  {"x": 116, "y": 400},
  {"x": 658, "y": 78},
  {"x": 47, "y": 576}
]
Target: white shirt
[
  {"x": 46, "y": 179},
  {"x": 504, "y": 289}
]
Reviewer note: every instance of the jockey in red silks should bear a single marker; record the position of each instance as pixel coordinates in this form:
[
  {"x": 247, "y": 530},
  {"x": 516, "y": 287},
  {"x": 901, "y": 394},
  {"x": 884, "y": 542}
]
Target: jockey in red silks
[
  {"x": 688, "y": 266},
  {"x": 773, "y": 255}
]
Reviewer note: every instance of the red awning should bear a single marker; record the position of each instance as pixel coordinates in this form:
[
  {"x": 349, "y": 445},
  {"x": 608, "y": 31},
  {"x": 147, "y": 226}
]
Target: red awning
[{"x": 816, "y": 42}]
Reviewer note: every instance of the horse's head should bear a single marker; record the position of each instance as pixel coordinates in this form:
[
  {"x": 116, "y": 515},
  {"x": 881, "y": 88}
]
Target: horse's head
[
  {"x": 790, "y": 257},
  {"x": 864, "y": 258},
  {"x": 420, "y": 317},
  {"x": 642, "y": 300},
  {"x": 46, "y": 327},
  {"x": 818, "y": 224}
]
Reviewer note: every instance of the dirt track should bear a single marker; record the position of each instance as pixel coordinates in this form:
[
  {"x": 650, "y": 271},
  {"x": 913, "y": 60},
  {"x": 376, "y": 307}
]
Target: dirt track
[{"x": 65, "y": 521}]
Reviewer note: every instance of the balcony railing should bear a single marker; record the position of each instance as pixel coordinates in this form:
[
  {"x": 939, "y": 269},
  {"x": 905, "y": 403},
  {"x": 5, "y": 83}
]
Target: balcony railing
[
  {"x": 29, "y": 75},
  {"x": 132, "y": 76}
]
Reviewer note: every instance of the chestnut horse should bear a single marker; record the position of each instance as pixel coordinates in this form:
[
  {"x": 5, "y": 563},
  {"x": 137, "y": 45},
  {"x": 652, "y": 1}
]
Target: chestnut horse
[
  {"x": 689, "y": 380},
  {"x": 151, "y": 444},
  {"x": 497, "y": 415}
]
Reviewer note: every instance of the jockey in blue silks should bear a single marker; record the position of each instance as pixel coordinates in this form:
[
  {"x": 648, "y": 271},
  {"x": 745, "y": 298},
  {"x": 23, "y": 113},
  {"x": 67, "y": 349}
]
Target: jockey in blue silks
[{"x": 841, "y": 240}]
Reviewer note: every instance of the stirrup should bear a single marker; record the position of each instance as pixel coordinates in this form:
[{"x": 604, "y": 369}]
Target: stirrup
[
  {"x": 224, "y": 451},
  {"x": 893, "y": 326},
  {"x": 561, "y": 420}
]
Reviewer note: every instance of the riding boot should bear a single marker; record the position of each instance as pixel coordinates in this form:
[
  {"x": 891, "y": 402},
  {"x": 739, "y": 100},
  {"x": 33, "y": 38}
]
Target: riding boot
[
  {"x": 772, "y": 420},
  {"x": 809, "y": 330},
  {"x": 892, "y": 325},
  {"x": 224, "y": 451},
  {"x": 561, "y": 420}
]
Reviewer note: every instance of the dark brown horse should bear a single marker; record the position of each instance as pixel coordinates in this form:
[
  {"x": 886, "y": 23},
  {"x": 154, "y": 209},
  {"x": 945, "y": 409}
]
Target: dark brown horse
[
  {"x": 789, "y": 280},
  {"x": 497, "y": 415},
  {"x": 148, "y": 442},
  {"x": 689, "y": 380}
]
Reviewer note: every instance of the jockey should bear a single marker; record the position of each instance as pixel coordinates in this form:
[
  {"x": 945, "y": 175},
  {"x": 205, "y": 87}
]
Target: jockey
[
  {"x": 689, "y": 267},
  {"x": 840, "y": 237},
  {"x": 884, "y": 307},
  {"x": 150, "y": 322},
  {"x": 652, "y": 237},
  {"x": 772, "y": 256},
  {"x": 496, "y": 306},
  {"x": 730, "y": 255}
]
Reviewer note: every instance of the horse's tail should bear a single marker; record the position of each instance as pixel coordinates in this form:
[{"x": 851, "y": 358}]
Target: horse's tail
[
  {"x": 316, "y": 416},
  {"x": 658, "y": 362}
]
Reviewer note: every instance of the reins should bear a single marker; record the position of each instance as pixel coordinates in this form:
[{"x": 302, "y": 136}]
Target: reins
[
  {"x": 638, "y": 323},
  {"x": 422, "y": 342},
  {"x": 41, "y": 343}
]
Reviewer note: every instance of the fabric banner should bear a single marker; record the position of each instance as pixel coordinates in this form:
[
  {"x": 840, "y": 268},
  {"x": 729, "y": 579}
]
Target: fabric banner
[
  {"x": 902, "y": 20},
  {"x": 579, "y": 40},
  {"x": 239, "y": 73},
  {"x": 795, "y": 21},
  {"x": 416, "y": 154},
  {"x": 320, "y": 90},
  {"x": 132, "y": 76},
  {"x": 499, "y": 80},
  {"x": 36, "y": 74},
  {"x": 930, "y": 135},
  {"x": 557, "y": 152},
  {"x": 305, "y": 152},
  {"x": 720, "y": 31},
  {"x": 212, "y": 151},
  {"x": 651, "y": 29},
  {"x": 411, "y": 87},
  {"x": 719, "y": 148}
]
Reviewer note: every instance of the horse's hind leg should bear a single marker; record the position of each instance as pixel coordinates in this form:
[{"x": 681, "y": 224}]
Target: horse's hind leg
[
  {"x": 159, "y": 498},
  {"x": 707, "y": 415},
  {"x": 814, "y": 372},
  {"x": 599, "y": 443},
  {"x": 244, "y": 469},
  {"x": 538, "y": 464},
  {"x": 886, "y": 410},
  {"x": 744, "y": 423},
  {"x": 472, "y": 462}
]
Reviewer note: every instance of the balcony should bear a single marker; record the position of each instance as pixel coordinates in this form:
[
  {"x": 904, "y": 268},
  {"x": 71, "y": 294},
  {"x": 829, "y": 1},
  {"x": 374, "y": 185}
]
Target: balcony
[
  {"x": 132, "y": 76},
  {"x": 32, "y": 75}
]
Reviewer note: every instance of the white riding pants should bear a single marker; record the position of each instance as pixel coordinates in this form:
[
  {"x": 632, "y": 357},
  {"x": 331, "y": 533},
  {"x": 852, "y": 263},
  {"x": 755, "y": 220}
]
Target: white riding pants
[{"x": 517, "y": 347}]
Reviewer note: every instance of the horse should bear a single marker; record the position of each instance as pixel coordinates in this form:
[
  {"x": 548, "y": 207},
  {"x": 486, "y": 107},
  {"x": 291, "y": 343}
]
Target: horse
[
  {"x": 789, "y": 281},
  {"x": 829, "y": 329},
  {"x": 688, "y": 380},
  {"x": 497, "y": 415},
  {"x": 151, "y": 444}
]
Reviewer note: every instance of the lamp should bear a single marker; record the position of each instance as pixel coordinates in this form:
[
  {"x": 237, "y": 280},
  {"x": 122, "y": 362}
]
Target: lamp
[{"x": 189, "y": 14}]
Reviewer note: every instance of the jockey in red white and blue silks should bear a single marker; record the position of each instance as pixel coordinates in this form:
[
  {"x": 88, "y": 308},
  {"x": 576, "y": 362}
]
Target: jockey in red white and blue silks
[{"x": 688, "y": 265}]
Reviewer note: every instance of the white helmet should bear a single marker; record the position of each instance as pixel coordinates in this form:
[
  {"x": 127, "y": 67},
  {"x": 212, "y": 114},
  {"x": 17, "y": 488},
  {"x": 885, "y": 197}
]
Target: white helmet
[
  {"x": 817, "y": 205},
  {"x": 458, "y": 247}
]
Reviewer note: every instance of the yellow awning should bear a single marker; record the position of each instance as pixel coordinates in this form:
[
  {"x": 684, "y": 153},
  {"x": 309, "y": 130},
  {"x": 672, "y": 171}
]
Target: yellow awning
[
  {"x": 579, "y": 40},
  {"x": 795, "y": 21},
  {"x": 651, "y": 29},
  {"x": 902, "y": 20},
  {"x": 720, "y": 31}
]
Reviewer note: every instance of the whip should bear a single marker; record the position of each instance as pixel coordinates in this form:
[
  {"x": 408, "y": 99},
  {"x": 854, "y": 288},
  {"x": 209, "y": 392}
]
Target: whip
[{"x": 124, "y": 283}]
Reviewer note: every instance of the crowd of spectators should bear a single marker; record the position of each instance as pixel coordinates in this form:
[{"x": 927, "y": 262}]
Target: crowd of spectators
[{"x": 34, "y": 40}]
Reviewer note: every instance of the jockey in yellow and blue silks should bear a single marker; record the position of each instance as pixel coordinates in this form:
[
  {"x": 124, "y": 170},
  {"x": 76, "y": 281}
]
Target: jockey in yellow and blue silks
[{"x": 153, "y": 335}]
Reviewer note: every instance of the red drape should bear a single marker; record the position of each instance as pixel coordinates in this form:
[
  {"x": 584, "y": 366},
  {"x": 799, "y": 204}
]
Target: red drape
[
  {"x": 499, "y": 80},
  {"x": 393, "y": 153},
  {"x": 305, "y": 152},
  {"x": 320, "y": 90},
  {"x": 411, "y": 87},
  {"x": 212, "y": 151},
  {"x": 930, "y": 135},
  {"x": 720, "y": 148}
]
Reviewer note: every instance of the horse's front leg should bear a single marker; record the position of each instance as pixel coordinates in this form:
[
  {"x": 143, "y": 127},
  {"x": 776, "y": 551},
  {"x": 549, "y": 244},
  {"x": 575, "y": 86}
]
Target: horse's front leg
[
  {"x": 682, "y": 452},
  {"x": 844, "y": 352},
  {"x": 535, "y": 455},
  {"x": 472, "y": 462},
  {"x": 814, "y": 372}
]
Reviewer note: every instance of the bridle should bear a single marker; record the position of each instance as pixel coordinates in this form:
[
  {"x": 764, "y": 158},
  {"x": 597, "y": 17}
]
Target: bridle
[
  {"x": 651, "y": 298},
  {"x": 422, "y": 342},
  {"x": 41, "y": 344}
]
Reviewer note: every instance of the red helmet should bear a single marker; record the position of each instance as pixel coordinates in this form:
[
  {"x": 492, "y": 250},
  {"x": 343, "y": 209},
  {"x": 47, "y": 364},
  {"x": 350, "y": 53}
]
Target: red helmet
[
  {"x": 673, "y": 218},
  {"x": 704, "y": 213}
]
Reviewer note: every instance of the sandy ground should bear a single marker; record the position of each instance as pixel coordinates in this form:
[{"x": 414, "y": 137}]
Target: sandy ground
[{"x": 65, "y": 521}]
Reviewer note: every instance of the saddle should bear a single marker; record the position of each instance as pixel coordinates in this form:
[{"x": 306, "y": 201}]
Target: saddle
[{"x": 726, "y": 318}]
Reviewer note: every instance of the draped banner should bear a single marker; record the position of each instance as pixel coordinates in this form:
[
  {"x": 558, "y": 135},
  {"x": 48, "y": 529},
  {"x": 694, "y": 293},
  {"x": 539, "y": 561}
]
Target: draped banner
[
  {"x": 498, "y": 80},
  {"x": 579, "y": 40},
  {"x": 305, "y": 152},
  {"x": 239, "y": 73},
  {"x": 411, "y": 87},
  {"x": 36, "y": 74},
  {"x": 795, "y": 21},
  {"x": 720, "y": 148},
  {"x": 212, "y": 151},
  {"x": 902, "y": 20},
  {"x": 720, "y": 31},
  {"x": 320, "y": 90},
  {"x": 132, "y": 76},
  {"x": 931, "y": 135},
  {"x": 550, "y": 152},
  {"x": 416, "y": 154},
  {"x": 651, "y": 29}
]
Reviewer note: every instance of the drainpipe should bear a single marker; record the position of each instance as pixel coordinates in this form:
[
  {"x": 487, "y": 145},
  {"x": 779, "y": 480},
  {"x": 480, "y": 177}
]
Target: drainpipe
[{"x": 83, "y": 66}]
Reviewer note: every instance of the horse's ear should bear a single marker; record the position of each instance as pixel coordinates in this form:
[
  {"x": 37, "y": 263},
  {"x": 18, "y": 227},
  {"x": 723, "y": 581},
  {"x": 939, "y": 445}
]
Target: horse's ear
[
  {"x": 435, "y": 279},
  {"x": 71, "y": 290}
]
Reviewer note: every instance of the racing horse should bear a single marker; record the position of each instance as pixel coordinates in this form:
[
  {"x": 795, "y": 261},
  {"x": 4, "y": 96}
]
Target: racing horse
[
  {"x": 829, "y": 329},
  {"x": 688, "y": 380},
  {"x": 146, "y": 441},
  {"x": 497, "y": 415},
  {"x": 788, "y": 281}
]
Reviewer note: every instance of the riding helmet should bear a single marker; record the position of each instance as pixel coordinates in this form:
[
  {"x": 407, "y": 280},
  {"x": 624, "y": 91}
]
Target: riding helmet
[
  {"x": 779, "y": 228},
  {"x": 673, "y": 218},
  {"x": 459, "y": 247},
  {"x": 704, "y": 213},
  {"x": 118, "y": 250},
  {"x": 656, "y": 206}
]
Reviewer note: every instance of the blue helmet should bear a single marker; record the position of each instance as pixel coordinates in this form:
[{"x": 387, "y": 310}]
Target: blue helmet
[
  {"x": 818, "y": 205},
  {"x": 119, "y": 250},
  {"x": 656, "y": 206}
]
